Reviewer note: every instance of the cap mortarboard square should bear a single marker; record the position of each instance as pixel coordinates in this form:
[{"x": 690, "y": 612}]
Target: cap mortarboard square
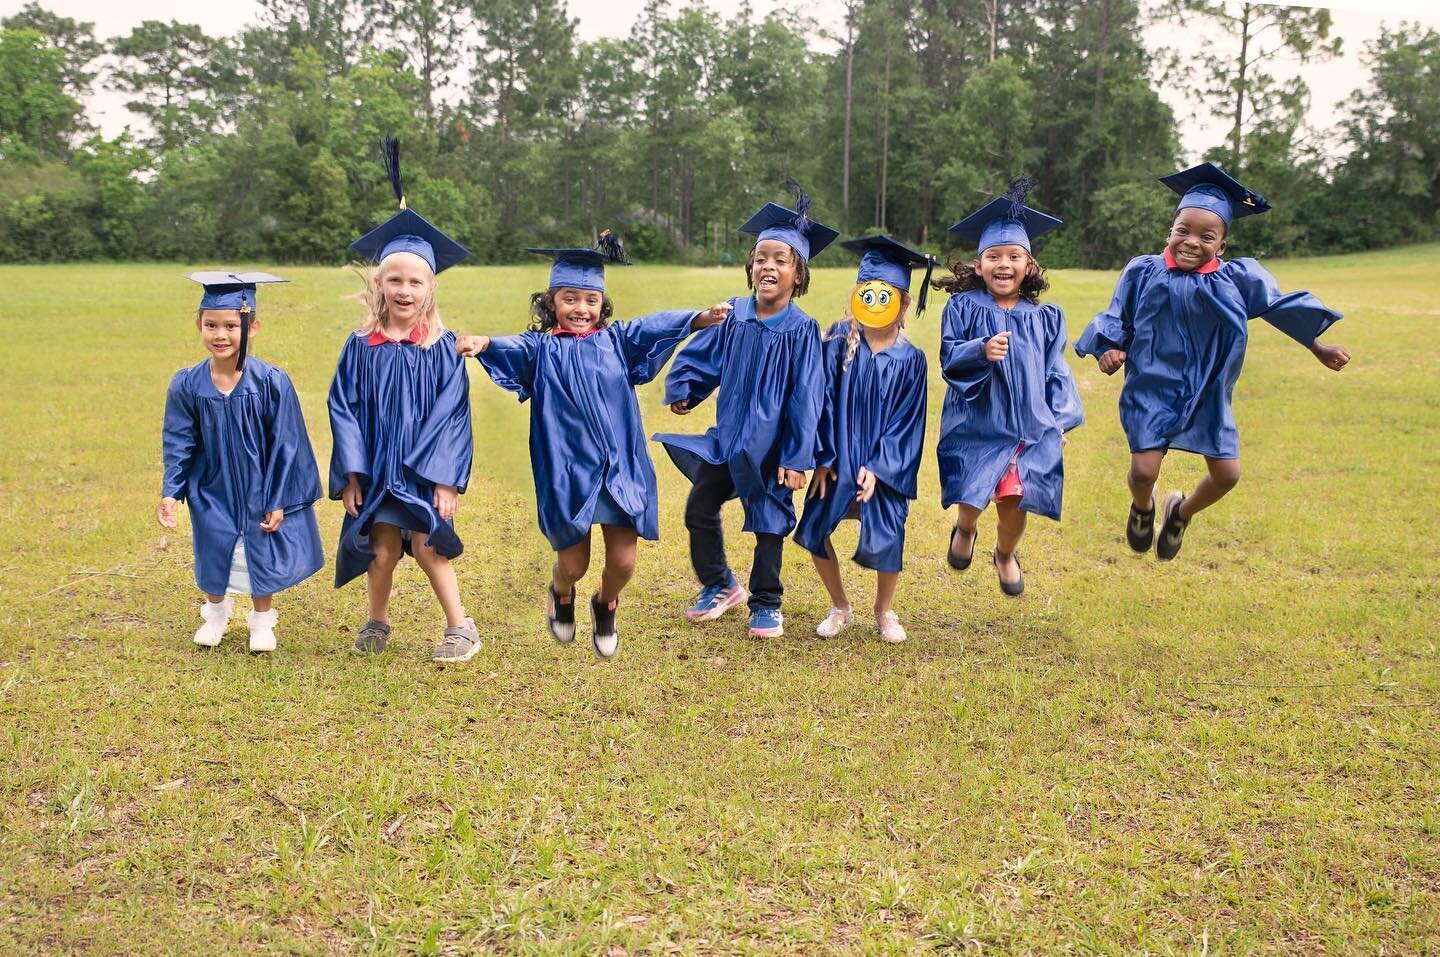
[
  {"x": 407, "y": 231},
  {"x": 890, "y": 261},
  {"x": 1207, "y": 186},
  {"x": 578, "y": 268},
  {"x": 793, "y": 226},
  {"x": 233, "y": 290},
  {"x": 1006, "y": 220}
]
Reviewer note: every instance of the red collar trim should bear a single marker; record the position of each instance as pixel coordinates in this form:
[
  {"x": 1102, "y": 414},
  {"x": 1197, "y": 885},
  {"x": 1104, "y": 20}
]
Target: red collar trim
[
  {"x": 417, "y": 335},
  {"x": 1206, "y": 269},
  {"x": 557, "y": 331}
]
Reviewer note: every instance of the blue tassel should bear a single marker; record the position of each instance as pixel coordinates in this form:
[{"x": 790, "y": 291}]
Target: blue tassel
[
  {"x": 802, "y": 206},
  {"x": 390, "y": 154},
  {"x": 610, "y": 245},
  {"x": 1016, "y": 191}
]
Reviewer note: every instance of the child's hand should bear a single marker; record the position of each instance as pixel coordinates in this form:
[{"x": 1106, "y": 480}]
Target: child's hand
[
  {"x": 865, "y": 481},
  {"x": 1111, "y": 361},
  {"x": 822, "y": 477},
  {"x": 997, "y": 346},
  {"x": 791, "y": 479},
  {"x": 711, "y": 316},
  {"x": 1332, "y": 357},
  {"x": 447, "y": 501},
  {"x": 350, "y": 496},
  {"x": 165, "y": 512},
  {"x": 471, "y": 345},
  {"x": 680, "y": 408},
  {"x": 272, "y": 520}
]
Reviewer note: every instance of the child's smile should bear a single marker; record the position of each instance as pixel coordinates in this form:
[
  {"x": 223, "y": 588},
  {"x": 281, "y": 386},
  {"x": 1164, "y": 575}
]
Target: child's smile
[
  {"x": 577, "y": 311},
  {"x": 1003, "y": 269},
  {"x": 773, "y": 270},
  {"x": 220, "y": 331},
  {"x": 1196, "y": 237},
  {"x": 406, "y": 282}
]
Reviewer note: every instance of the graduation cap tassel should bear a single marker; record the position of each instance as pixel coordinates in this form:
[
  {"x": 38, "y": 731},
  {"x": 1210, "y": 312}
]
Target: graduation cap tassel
[
  {"x": 925, "y": 286},
  {"x": 610, "y": 245},
  {"x": 245, "y": 314},
  {"x": 802, "y": 205},
  {"x": 1016, "y": 191},
  {"x": 390, "y": 154}
]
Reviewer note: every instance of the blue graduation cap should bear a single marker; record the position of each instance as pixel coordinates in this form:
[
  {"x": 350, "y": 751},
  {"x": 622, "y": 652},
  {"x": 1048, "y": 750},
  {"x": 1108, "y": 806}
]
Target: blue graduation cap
[
  {"x": 1006, "y": 220},
  {"x": 583, "y": 268},
  {"x": 889, "y": 261},
  {"x": 794, "y": 226},
  {"x": 1207, "y": 186},
  {"x": 233, "y": 290},
  {"x": 407, "y": 231}
]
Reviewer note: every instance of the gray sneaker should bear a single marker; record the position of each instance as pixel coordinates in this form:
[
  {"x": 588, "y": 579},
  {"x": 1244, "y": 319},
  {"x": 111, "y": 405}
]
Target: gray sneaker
[
  {"x": 373, "y": 638},
  {"x": 459, "y": 644}
]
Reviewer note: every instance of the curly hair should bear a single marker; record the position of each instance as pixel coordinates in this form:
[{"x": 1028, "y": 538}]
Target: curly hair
[
  {"x": 802, "y": 272},
  {"x": 542, "y": 311},
  {"x": 965, "y": 276}
]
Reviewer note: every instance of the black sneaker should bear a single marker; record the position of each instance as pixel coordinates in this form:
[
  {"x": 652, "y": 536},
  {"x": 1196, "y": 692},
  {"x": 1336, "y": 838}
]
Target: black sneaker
[
  {"x": 560, "y": 617},
  {"x": 606, "y": 639},
  {"x": 1140, "y": 530},
  {"x": 1172, "y": 527}
]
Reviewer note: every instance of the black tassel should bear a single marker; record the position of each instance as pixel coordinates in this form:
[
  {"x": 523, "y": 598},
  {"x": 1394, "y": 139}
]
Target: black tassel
[
  {"x": 390, "y": 155},
  {"x": 1016, "y": 191},
  {"x": 802, "y": 205},
  {"x": 245, "y": 315},
  {"x": 610, "y": 245},
  {"x": 925, "y": 286}
]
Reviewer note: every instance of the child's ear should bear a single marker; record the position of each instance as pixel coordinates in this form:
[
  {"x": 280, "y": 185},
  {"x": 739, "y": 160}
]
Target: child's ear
[
  {"x": 254, "y": 327},
  {"x": 1221, "y": 251}
]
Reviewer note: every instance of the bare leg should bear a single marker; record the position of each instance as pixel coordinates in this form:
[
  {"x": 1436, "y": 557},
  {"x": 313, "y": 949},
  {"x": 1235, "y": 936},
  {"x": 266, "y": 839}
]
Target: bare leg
[
  {"x": 262, "y": 603},
  {"x": 620, "y": 548},
  {"x": 1144, "y": 473},
  {"x": 385, "y": 543},
  {"x": 1224, "y": 475},
  {"x": 1009, "y": 526},
  {"x": 214, "y": 599},
  {"x": 571, "y": 564},
  {"x": 885, "y": 583},
  {"x": 441, "y": 573},
  {"x": 966, "y": 519},
  {"x": 828, "y": 568}
]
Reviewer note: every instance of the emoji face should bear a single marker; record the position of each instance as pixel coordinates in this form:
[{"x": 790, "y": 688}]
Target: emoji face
[{"x": 875, "y": 303}]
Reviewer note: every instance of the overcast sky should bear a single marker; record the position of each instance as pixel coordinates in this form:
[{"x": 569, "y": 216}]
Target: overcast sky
[{"x": 1355, "y": 20}]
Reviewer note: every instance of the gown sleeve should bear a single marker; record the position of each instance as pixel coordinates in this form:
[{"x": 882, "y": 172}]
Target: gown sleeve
[
  {"x": 1300, "y": 315},
  {"x": 1114, "y": 328},
  {"x": 292, "y": 479},
  {"x": 832, "y": 353},
  {"x": 896, "y": 457},
  {"x": 347, "y": 453},
  {"x": 443, "y": 446},
  {"x": 1060, "y": 391},
  {"x": 962, "y": 358},
  {"x": 696, "y": 370},
  {"x": 510, "y": 362},
  {"x": 802, "y": 405},
  {"x": 650, "y": 341},
  {"x": 178, "y": 438}
]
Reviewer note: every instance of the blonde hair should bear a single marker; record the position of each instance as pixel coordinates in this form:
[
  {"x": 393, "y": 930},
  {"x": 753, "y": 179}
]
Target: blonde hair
[
  {"x": 378, "y": 313},
  {"x": 852, "y": 331}
]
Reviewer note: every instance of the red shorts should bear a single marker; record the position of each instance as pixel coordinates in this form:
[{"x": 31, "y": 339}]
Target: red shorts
[{"x": 1010, "y": 485}]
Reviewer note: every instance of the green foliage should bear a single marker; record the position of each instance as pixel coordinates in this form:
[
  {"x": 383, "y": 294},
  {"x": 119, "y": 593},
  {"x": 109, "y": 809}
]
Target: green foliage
[{"x": 37, "y": 115}]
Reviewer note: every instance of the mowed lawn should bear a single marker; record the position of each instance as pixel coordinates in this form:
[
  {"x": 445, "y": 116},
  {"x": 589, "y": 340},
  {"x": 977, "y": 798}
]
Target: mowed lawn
[{"x": 1237, "y": 751}]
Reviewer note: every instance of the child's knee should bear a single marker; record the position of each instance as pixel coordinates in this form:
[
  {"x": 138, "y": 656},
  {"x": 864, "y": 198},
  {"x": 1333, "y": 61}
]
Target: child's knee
[
  {"x": 572, "y": 566},
  {"x": 387, "y": 553},
  {"x": 1225, "y": 473},
  {"x": 623, "y": 565},
  {"x": 1144, "y": 472}
]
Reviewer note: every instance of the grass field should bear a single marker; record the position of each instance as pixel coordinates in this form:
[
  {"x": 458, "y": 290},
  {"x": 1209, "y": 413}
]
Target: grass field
[{"x": 1235, "y": 752}]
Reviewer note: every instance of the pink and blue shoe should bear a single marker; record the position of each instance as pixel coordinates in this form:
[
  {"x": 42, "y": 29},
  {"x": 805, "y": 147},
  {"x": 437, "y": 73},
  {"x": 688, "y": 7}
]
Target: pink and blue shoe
[
  {"x": 767, "y": 623},
  {"x": 715, "y": 600}
]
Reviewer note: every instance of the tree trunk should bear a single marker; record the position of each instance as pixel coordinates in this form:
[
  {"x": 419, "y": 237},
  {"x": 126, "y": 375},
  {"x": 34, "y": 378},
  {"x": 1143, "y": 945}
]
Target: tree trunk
[
  {"x": 994, "y": 12},
  {"x": 1240, "y": 89},
  {"x": 884, "y": 149},
  {"x": 845, "y": 138}
]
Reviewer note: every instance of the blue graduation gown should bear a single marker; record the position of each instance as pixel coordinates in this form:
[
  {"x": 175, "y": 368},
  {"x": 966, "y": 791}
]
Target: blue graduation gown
[
  {"x": 400, "y": 419},
  {"x": 1184, "y": 336},
  {"x": 992, "y": 407},
  {"x": 874, "y": 416},
  {"x": 771, "y": 388},
  {"x": 232, "y": 459},
  {"x": 586, "y": 436}
]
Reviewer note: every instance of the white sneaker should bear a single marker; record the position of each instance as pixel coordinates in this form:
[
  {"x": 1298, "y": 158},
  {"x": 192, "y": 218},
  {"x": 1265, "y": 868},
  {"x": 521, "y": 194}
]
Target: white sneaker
[
  {"x": 837, "y": 621},
  {"x": 216, "y": 615},
  {"x": 262, "y": 630},
  {"x": 890, "y": 628}
]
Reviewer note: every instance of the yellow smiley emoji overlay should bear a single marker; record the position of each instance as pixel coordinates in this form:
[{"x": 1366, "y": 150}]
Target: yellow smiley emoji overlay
[{"x": 875, "y": 303}]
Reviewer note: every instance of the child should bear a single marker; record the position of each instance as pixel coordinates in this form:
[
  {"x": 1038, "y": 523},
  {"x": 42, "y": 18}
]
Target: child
[
  {"x": 587, "y": 443},
  {"x": 1178, "y": 324},
  {"x": 765, "y": 360},
  {"x": 400, "y": 416},
  {"x": 872, "y": 428},
  {"x": 1011, "y": 398},
  {"x": 237, "y": 453}
]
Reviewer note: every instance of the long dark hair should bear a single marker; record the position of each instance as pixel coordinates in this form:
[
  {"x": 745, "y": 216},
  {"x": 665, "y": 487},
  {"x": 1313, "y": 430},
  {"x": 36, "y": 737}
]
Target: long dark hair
[
  {"x": 542, "y": 311},
  {"x": 966, "y": 276}
]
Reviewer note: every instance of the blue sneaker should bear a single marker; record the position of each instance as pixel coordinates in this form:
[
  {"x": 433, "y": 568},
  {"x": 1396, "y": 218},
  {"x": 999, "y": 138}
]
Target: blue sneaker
[
  {"x": 716, "y": 600},
  {"x": 767, "y": 623}
]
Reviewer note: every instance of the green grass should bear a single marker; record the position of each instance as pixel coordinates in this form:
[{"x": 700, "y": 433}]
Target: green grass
[{"x": 1233, "y": 752}]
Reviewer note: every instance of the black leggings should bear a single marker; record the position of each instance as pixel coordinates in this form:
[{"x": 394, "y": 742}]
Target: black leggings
[{"x": 712, "y": 489}]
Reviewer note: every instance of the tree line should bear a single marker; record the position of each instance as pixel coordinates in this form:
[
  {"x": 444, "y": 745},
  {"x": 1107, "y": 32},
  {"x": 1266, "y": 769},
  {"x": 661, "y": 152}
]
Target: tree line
[{"x": 263, "y": 146}]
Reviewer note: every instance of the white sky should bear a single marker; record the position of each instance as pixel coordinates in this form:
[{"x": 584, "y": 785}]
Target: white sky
[{"x": 1355, "y": 20}]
